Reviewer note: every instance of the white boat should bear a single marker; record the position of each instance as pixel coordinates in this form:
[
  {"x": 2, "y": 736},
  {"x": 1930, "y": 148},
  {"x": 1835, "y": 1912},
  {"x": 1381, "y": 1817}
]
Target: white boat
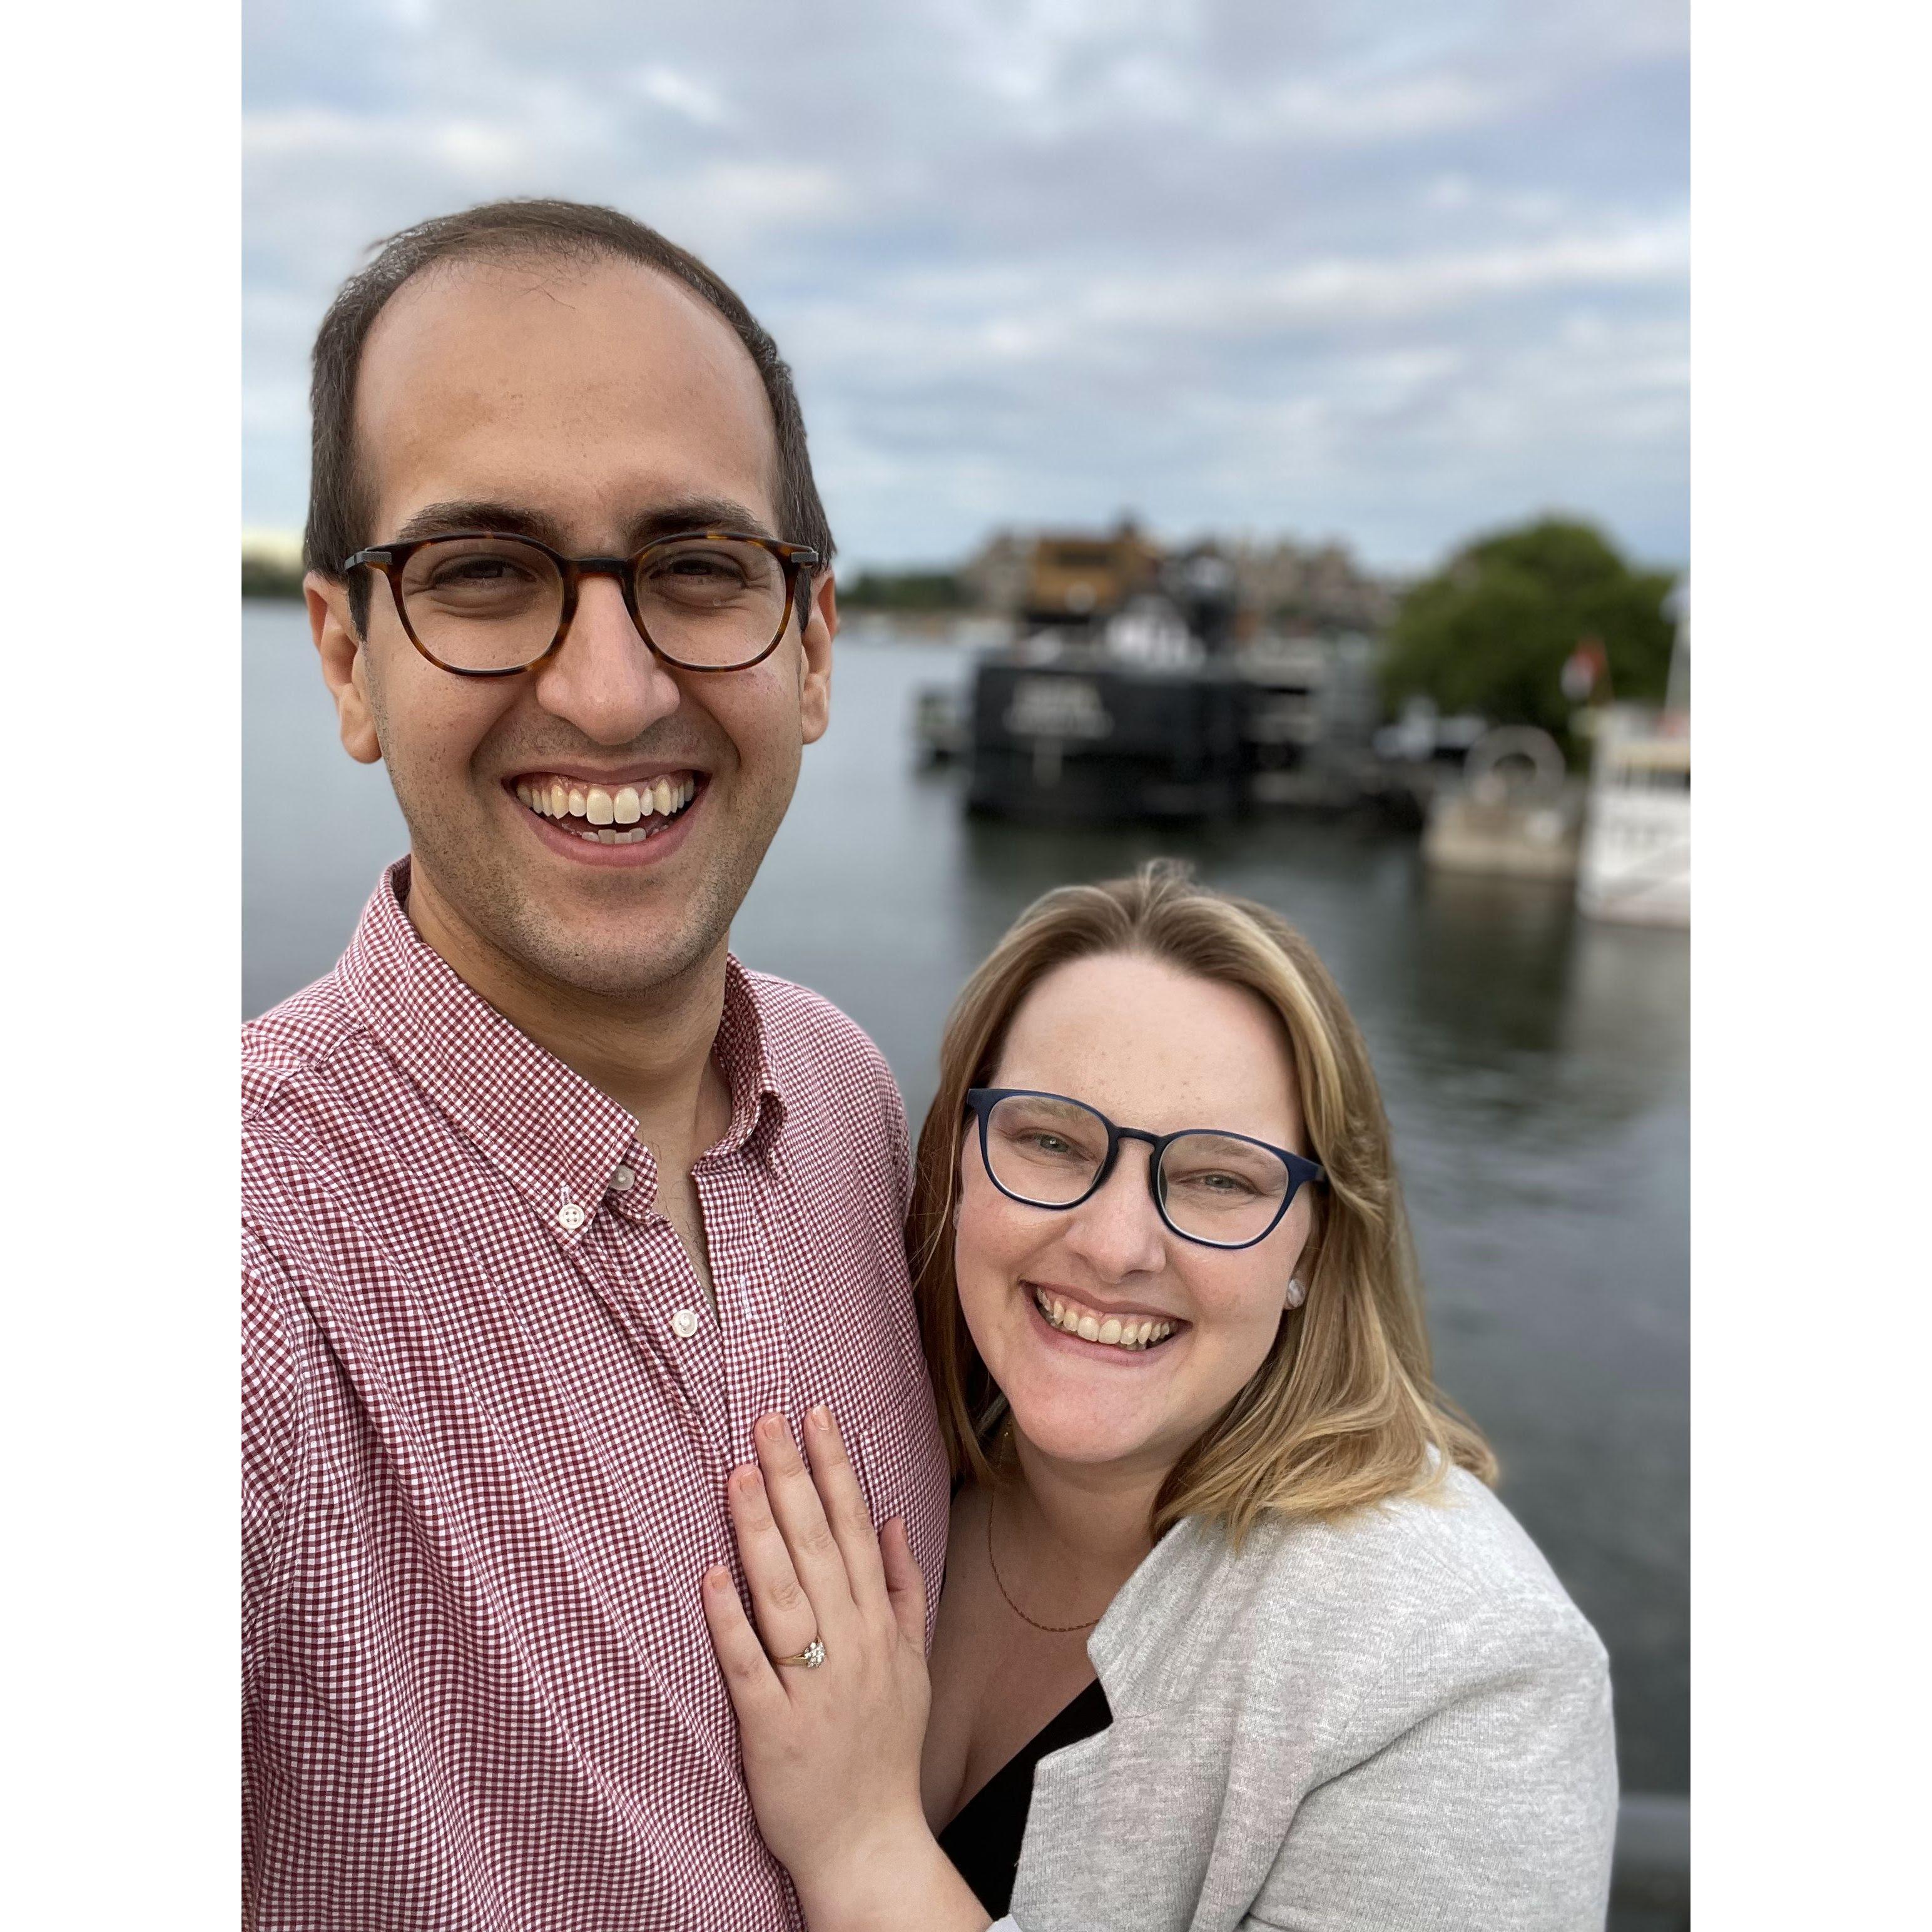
[{"x": 1635, "y": 861}]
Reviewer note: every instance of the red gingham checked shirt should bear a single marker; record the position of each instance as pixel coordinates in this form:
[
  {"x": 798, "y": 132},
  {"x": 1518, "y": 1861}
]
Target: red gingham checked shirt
[{"x": 484, "y": 1462}]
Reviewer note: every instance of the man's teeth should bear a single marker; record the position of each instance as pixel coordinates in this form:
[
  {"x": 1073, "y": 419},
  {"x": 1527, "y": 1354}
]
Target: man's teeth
[
  {"x": 1072, "y": 1319},
  {"x": 602, "y": 807}
]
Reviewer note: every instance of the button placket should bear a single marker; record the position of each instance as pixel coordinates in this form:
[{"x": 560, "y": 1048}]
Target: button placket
[{"x": 754, "y": 1377}]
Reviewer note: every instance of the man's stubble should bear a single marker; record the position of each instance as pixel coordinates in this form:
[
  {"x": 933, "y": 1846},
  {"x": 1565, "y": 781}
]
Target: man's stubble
[{"x": 640, "y": 951}]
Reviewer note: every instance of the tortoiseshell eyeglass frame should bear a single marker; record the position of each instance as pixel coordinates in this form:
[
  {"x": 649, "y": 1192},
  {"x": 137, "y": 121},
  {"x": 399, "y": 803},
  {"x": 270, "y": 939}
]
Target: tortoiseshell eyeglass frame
[{"x": 796, "y": 560}]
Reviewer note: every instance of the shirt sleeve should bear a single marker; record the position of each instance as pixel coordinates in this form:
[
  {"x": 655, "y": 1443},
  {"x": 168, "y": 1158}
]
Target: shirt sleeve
[
  {"x": 893, "y": 1104},
  {"x": 1496, "y": 1812},
  {"x": 270, "y": 1433}
]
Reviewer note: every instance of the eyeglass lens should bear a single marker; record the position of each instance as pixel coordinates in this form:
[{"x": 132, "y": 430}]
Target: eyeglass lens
[
  {"x": 1215, "y": 1187},
  {"x": 495, "y": 603}
]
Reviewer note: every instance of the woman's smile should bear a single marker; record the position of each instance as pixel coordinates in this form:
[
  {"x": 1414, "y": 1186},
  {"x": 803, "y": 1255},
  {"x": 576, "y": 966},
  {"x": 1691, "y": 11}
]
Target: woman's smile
[{"x": 1093, "y": 1329}]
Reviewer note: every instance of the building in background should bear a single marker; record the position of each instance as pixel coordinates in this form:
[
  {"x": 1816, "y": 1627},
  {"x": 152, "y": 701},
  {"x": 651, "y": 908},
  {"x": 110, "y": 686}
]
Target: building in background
[{"x": 1065, "y": 577}]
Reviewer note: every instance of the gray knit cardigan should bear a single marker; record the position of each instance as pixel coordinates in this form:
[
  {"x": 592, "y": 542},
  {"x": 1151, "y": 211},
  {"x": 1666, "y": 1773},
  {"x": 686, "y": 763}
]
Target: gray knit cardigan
[{"x": 1394, "y": 1722}]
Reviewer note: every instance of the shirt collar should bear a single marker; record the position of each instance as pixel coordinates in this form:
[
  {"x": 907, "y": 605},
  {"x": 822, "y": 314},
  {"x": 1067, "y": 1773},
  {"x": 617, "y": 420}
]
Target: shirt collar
[{"x": 555, "y": 1137}]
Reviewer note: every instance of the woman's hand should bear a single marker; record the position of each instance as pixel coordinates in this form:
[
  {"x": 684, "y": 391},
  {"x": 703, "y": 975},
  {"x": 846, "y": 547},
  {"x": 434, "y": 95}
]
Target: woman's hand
[{"x": 832, "y": 1752}]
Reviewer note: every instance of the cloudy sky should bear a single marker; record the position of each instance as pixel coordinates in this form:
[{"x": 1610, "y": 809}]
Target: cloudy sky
[{"x": 1395, "y": 272}]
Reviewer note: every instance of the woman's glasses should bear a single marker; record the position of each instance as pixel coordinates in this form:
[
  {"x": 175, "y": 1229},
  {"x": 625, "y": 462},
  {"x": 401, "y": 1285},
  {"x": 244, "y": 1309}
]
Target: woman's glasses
[{"x": 1225, "y": 1190}]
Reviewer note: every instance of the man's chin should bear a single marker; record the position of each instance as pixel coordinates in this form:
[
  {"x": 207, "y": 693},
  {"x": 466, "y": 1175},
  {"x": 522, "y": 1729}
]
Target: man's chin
[
  {"x": 609, "y": 961},
  {"x": 495, "y": 937}
]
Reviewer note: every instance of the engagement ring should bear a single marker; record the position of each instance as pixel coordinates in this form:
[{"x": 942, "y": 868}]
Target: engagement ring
[{"x": 809, "y": 1658}]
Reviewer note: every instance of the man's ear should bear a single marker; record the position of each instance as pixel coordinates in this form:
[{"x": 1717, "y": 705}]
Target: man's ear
[
  {"x": 821, "y": 626},
  {"x": 344, "y": 666}
]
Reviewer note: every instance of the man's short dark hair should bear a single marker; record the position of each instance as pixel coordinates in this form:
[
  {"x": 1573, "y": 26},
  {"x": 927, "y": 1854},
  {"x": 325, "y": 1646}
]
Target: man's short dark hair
[{"x": 338, "y": 506}]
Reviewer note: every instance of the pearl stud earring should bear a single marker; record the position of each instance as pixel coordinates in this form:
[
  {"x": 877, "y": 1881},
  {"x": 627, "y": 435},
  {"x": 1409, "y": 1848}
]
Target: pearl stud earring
[{"x": 1297, "y": 1294}]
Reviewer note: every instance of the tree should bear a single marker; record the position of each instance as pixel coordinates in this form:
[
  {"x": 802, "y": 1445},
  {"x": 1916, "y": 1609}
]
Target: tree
[
  {"x": 1489, "y": 631},
  {"x": 269, "y": 577},
  {"x": 902, "y": 590}
]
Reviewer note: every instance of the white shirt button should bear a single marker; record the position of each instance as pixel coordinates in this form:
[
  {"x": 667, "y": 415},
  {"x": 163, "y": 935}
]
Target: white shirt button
[
  {"x": 570, "y": 1217},
  {"x": 684, "y": 1323},
  {"x": 622, "y": 1180}
]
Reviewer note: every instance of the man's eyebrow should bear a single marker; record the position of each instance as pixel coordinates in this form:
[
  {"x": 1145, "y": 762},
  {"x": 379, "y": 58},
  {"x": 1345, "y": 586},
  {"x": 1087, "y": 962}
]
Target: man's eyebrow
[
  {"x": 694, "y": 513},
  {"x": 663, "y": 519},
  {"x": 437, "y": 520}
]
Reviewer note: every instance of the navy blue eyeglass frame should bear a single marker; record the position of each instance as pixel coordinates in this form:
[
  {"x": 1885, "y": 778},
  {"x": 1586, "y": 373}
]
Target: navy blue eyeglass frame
[{"x": 980, "y": 1101}]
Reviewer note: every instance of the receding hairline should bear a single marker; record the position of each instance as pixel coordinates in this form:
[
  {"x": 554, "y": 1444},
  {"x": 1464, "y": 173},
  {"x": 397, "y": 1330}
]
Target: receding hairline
[{"x": 550, "y": 259}]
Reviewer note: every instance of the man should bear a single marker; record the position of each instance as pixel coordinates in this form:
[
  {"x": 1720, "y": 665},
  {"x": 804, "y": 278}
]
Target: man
[{"x": 547, "y": 1199}]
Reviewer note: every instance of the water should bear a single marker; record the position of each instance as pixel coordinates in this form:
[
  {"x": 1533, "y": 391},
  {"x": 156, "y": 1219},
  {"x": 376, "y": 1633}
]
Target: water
[{"x": 1535, "y": 1066}]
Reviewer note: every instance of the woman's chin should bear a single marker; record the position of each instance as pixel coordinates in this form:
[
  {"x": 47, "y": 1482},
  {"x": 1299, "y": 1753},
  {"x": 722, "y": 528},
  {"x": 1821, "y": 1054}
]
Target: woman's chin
[{"x": 1072, "y": 1431}]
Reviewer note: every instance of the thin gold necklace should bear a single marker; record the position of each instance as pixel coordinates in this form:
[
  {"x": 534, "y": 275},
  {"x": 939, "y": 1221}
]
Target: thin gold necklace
[{"x": 1055, "y": 1629}]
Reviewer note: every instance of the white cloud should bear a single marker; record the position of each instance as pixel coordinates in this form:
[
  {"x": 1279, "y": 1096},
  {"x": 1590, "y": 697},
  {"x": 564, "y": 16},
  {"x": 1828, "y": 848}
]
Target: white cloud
[
  {"x": 305, "y": 132},
  {"x": 1393, "y": 271},
  {"x": 1357, "y": 114},
  {"x": 669, "y": 87}
]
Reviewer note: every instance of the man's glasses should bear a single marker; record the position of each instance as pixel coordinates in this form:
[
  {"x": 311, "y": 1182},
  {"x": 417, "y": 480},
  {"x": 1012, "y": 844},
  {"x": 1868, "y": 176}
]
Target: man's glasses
[
  {"x": 483, "y": 605},
  {"x": 1223, "y": 1189}
]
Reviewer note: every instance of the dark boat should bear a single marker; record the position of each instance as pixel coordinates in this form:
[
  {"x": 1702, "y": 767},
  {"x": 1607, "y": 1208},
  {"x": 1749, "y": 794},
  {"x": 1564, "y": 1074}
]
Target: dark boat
[
  {"x": 1069, "y": 741},
  {"x": 1144, "y": 688}
]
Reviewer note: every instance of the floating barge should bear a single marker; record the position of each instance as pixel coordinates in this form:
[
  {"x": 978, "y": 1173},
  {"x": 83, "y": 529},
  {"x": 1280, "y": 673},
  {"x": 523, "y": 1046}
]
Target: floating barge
[
  {"x": 1069, "y": 745},
  {"x": 1146, "y": 724}
]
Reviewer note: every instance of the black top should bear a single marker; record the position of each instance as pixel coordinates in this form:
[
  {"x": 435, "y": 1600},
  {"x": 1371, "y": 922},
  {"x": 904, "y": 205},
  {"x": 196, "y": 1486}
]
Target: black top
[{"x": 983, "y": 1841}]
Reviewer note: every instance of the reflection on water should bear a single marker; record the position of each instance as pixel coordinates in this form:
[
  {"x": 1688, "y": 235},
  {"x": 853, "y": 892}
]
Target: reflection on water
[{"x": 1535, "y": 1067}]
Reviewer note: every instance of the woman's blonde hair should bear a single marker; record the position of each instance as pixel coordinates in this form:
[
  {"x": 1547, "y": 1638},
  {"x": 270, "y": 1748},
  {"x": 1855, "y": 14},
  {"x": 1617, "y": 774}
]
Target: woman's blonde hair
[{"x": 1343, "y": 1412}]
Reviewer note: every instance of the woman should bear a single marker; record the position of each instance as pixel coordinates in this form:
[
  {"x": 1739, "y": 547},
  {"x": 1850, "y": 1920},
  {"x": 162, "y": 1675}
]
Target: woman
[{"x": 1233, "y": 1631}]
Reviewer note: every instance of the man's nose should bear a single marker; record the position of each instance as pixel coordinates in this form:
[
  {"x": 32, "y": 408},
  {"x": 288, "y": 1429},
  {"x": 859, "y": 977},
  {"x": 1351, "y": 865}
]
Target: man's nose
[
  {"x": 605, "y": 679},
  {"x": 1117, "y": 1231}
]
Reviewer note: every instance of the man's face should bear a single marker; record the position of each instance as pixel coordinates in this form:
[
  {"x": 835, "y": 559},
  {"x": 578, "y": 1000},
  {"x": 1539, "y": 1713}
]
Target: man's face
[{"x": 593, "y": 407}]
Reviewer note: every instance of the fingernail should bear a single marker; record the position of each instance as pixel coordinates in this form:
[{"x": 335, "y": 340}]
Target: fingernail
[
  {"x": 717, "y": 1577},
  {"x": 822, "y": 1416},
  {"x": 771, "y": 1428}
]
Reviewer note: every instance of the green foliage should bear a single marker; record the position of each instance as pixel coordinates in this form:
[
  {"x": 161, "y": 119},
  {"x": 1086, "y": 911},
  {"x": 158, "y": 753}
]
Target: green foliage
[
  {"x": 903, "y": 590},
  {"x": 261, "y": 577},
  {"x": 1490, "y": 632}
]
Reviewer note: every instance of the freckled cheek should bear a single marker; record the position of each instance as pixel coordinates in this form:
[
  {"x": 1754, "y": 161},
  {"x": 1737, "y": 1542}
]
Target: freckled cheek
[
  {"x": 991, "y": 1250},
  {"x": 1253, "y": 1290},
  {"x": 1237, "y": 1310}
]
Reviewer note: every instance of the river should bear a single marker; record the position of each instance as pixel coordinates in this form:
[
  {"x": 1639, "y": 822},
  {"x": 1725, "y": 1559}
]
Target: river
[{"x": 1535, "y": 1065}]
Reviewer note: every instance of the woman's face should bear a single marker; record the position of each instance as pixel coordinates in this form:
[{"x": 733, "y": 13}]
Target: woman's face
[{"x": 1149, "y": 1046}]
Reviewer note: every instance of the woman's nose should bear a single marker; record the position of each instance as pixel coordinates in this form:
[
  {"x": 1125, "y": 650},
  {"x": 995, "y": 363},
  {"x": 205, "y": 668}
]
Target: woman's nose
[{"x": 1117, "y": 1230}]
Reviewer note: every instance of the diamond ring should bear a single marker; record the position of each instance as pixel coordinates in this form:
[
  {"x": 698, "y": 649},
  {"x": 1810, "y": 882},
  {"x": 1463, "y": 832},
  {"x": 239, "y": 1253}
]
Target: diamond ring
[{"x": 809, "y": 1658}]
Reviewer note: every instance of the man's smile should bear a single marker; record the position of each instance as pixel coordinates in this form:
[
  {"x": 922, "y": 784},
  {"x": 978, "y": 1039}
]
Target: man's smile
[{"x": 575, "y": 813}]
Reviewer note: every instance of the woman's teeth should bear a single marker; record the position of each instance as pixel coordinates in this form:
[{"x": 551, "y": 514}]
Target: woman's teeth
[
  {"x": 1109, "y": 1330},
  {"x": 602, "y": 807}
]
